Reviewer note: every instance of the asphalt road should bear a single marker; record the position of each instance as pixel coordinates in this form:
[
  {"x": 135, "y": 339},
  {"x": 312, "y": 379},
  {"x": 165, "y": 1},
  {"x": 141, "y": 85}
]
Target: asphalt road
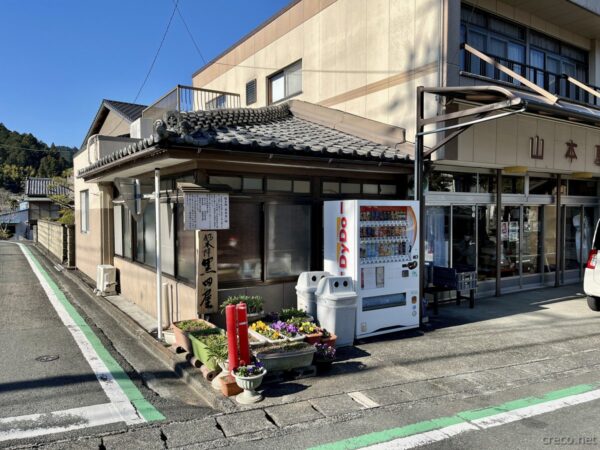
[{"x": 60, "y": 376}]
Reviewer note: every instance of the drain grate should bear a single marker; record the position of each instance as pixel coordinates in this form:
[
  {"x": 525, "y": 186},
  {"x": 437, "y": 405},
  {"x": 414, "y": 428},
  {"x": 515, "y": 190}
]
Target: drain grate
[{"x": 47, "y": 358}]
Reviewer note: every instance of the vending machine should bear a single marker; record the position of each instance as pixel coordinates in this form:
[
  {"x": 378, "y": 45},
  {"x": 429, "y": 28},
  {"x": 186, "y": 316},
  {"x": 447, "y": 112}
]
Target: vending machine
[{"x": 377, "y": 244}]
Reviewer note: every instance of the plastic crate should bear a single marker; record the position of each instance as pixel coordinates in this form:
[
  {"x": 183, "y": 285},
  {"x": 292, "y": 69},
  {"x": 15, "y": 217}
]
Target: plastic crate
[{"x": 459, "y": 278}]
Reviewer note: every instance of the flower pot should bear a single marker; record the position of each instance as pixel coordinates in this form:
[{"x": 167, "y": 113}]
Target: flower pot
[
  {"x": 279, "y": 361},
  {"x": 330, "y": 340},
  {"x": 216, "y": 382},
  {"x": 323, "y": 364},
  {"x": 298, "y": 338},
  {"x": 313, "y": 338},
  {"x": 249, "y": 385},
  {"x": 181, "y": 337},
  {"x": 201, "y": 352}
]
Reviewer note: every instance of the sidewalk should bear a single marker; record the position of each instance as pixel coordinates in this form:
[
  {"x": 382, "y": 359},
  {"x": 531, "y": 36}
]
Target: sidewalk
[{"x": 504, "y": 343}]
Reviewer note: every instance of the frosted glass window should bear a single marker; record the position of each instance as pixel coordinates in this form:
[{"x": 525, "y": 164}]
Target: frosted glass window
[
  {"x": 149, "y": 230},
  {"x": 85, "y": 211},
  {"x": 302, "y": 187},
  {"x": 278, "y": 87},
  {"x": 118, "y": 229},
  {"x": 167, "y": 237},
  {"x": 330, "y": 187},
  {"x": 371, "y": 189},
  {"x": 350, "y": 188},
  {"x": 279, "y": 185}
]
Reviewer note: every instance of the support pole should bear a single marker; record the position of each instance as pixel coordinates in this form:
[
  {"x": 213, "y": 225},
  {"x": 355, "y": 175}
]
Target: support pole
[
  {"x": 558, "y": 253},
  {"x": 158, "y": 256},
  {"x": 419, "y": 192},
  {"x": 498, "y": 231}
]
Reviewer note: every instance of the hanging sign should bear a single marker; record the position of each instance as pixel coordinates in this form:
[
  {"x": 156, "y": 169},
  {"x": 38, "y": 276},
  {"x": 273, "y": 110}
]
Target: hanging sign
[
  {"x": 205, "y": 211},
  {"x": 206, "y": 276}
]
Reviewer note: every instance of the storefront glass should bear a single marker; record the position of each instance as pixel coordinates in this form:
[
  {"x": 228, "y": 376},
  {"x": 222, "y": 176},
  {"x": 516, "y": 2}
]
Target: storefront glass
[
  {"x": 510, "y": 237},
  {"x": 531, "y": 243},
  {"x": 486, "y": 239},
  {"x": 572, "y": 236},
  {"x": 464, "y": 248},
  {"x": 437, "y": 235},
  {"x": 549, "y": 227}
]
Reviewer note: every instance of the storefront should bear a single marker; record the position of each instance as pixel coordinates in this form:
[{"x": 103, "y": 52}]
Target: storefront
[{"x": 461, "y": 226}]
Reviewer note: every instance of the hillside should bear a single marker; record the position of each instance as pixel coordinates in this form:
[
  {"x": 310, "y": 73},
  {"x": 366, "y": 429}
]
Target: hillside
[{"x": 22, "y": 155}]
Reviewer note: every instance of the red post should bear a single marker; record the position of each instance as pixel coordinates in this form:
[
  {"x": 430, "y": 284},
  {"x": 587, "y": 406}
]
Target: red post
[
  {"x": 231, "y": 317},
  {"x": 242, "y": 317}
]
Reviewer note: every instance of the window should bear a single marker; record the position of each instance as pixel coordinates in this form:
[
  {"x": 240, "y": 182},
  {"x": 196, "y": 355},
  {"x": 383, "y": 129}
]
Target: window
[
  {"x": 251, "y": 92},
  {"x": 186, "y": 247},
  {"x": 285, "y": 83},
  {"x": 118, "y": 229},
  {"x": 85, "y": 211}
]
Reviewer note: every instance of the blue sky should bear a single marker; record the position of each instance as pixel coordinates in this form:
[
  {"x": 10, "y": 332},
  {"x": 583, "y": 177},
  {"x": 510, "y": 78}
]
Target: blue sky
[{"x": 60, "y": 58}]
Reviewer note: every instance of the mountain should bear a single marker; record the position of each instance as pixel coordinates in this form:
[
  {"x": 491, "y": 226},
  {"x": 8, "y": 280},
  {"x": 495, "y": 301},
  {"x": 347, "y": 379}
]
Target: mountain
[{"x": 22, "y": 155}]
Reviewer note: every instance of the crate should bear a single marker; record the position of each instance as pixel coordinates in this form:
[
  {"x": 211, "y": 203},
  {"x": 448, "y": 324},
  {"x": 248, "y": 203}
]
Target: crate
[{"x": 459, "y": 278}]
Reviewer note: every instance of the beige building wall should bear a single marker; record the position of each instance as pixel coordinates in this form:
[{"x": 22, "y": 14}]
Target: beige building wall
[
  {"x": 506, "y": 142},
  {"x": 364, "y": 57},
  {"x": 138, "y": 284}
]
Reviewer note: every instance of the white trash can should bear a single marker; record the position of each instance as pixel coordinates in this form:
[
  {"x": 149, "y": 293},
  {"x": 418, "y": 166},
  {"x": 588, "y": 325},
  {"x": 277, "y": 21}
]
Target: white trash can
[
  {"x": 336, "y": 308},
  {"x": 305, "y": 291}
]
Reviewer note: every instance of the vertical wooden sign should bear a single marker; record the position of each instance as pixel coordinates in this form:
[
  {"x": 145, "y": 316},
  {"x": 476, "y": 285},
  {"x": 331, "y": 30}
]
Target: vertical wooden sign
[{"x": 206, "y": 273}]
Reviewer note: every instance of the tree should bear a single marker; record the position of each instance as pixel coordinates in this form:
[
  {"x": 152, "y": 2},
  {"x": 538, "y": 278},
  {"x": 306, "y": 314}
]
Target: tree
[{"x": 61, "y": 192}]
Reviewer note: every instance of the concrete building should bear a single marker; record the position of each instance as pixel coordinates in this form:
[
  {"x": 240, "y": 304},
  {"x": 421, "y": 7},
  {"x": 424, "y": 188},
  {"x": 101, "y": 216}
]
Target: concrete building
[{"x": 515, "y": 197}]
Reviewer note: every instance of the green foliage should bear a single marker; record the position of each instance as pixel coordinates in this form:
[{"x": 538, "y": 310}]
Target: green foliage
[
  {"x": 254, "y": 304},
  {"x": 197, "y": 327},
  {"x": 289, "y": 313},
  {"x": 22, "y": 155},
  {"x": 216, "y": 347},
  {"x": 4, "y": 234}
]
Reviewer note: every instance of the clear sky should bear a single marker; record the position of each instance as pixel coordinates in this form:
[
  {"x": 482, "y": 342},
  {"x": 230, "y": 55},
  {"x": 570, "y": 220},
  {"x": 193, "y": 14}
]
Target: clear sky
[{"x": 60, "y": 58}]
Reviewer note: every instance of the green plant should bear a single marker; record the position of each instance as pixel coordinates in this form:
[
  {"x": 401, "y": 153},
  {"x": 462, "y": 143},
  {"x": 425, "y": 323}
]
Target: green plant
[
  {"x": 197, "y": 327},
  {"x": 254, "y": 303},
  {"x": 289, "y": 313},
  {"x": 281, "y": 348},
  {"x": 216, "y": 346}
]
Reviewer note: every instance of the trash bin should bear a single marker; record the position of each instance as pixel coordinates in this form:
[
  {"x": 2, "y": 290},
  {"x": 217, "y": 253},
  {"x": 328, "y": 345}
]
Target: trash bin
[
  {"x": 305, "y": 291},
  {"x": 336, "y": 308}
]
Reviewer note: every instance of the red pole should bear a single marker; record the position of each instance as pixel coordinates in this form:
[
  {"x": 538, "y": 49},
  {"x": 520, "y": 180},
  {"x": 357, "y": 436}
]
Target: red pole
[
  {"x": 242, "y": 317},
  {"x": 231, "y": 317}
]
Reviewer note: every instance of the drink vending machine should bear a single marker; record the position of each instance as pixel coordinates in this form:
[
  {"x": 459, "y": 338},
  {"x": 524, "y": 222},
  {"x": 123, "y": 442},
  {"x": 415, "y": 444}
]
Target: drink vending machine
[{"x": 377, "y": 244}]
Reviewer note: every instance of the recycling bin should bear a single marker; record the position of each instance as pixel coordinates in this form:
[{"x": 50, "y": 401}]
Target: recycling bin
[
  {"x": 305, "y": 291},
  {"x": 336, "y": 308}
]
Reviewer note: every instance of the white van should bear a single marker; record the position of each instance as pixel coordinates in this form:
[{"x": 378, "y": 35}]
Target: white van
[{"x": 591, "y": 277}]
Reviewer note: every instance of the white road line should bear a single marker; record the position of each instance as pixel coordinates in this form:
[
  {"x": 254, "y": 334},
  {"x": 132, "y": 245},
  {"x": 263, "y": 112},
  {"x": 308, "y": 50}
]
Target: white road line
[
  {"x": 429, "y": 437},
  {"x": 362, "y": 399},
  {"x": 32, "y": 425},
  {"x": 121, "y": 403}
]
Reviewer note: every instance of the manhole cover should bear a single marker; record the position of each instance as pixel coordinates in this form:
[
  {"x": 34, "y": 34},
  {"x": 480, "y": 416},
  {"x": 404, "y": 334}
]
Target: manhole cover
[{"x": 46, "y": 358}]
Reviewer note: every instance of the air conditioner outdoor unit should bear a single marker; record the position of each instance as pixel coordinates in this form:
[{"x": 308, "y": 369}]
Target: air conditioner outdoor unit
[{"x": 106, "y": 280}]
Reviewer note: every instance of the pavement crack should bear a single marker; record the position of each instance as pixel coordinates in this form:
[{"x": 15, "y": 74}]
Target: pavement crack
[
  {"x": 163, "y": 437},
  {"x": 220, "y": 428},
  {"x": 101, "y": 446},
  {"x": 270, "y": 419}
]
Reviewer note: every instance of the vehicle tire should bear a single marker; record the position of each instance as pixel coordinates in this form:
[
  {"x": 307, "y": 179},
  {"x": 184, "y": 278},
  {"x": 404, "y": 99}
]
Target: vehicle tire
[{"x": 593, "y": 303}]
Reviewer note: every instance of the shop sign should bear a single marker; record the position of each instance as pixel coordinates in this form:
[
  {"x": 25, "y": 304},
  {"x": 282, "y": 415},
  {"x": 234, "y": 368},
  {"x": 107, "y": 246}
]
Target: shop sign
[
  {"x": 206, "y": 276},
  {"x": 571, "y": 155},
  {"x": 536, "y": 147},
  {"x": 342, "y": 248},
  {"x": 205, "y": 211}
]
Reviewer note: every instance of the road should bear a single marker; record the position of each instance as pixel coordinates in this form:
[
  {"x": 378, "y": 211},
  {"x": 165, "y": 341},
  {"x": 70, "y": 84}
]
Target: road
[{"x": 60, "y": 375}]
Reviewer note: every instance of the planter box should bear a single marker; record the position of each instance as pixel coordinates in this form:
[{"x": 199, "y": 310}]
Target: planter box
[
  {"x": 201, "y": 352},
  {"x": 286, "y": 360},
  {"x": 298, "y": 338},
  {"x": 330, "y": 340},
  {"x": 181, "y": 337},
  {"x": 313, "y": 338},
  {"x": 264, "y": 338}
]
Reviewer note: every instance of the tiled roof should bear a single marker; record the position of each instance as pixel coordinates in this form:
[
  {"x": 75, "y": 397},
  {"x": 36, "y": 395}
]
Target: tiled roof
[
  {"x": 272, "y": 129},
  {"x": 130, "y": 111},
  {"x": 42, "y": 187}
]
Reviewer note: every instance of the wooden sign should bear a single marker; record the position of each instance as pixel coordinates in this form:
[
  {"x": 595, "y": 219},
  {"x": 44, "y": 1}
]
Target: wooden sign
[
  {"x": 206, "y": 274},
  {"x": 205, "y": 211}
]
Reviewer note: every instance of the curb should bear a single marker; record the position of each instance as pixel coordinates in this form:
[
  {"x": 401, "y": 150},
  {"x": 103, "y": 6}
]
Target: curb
[{"x": 177, "y": 363}]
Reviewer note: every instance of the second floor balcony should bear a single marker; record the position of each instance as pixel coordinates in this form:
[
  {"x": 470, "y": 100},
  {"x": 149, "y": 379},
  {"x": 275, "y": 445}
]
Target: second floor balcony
[{"x": 188, "y": 99}]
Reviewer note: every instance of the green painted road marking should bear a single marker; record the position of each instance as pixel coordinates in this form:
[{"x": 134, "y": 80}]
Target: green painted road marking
[
  {"x": 379, "y": 437},
  {"x": 143, "y": 406}
]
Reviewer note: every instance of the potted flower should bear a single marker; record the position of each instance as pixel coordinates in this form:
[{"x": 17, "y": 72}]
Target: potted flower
[
  {"x": 289, "y": 330},
  {"x": 285, "y": 356},
  {"x": 182, "y": 329},
  {"x": 265, "y": 332},
  {"x": 289, "y": 313},
  {"x": 324, "y": 356},
  {"x": 249, "y": 377},
  {"x": 218, "y": 352},
  {"x": 254, "y": 305},
  {"x": 311, "y": 332},
  {"x": 328, "y": 337}
]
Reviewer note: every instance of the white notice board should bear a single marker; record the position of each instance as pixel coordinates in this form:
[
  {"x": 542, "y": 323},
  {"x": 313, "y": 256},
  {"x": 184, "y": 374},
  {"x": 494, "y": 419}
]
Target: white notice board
[{"x": 204, "y": 211}]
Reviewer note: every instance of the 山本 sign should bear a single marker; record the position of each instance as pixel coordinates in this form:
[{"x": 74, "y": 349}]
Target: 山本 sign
[
  {"x": 206, "y": 276},
  {"x": 205, "y": 211}
]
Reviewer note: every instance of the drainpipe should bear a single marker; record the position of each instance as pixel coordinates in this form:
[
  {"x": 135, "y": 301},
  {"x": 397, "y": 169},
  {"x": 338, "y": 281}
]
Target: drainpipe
[
  {"x": 558, "y": 230},
  {"x": 498, "y": 231},
  {"x": 158, "y": 256}
]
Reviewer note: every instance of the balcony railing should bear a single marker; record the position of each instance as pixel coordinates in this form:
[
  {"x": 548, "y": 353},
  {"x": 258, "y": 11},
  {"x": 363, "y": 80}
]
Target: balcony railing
[
  {"x": 188, "y": 98},
  {"x": 555, "y": 83}
]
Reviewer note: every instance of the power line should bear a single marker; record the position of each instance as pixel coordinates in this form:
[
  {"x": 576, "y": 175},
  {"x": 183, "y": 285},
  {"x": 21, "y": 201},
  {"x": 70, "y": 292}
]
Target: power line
[
  {"x": 162, "y": 41},
  {"x": 46, "y": 150},
  {"x": 189, "y": 32}
]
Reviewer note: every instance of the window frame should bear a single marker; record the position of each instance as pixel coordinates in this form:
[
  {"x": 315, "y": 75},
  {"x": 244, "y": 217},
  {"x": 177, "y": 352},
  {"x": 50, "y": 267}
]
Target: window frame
[
  {"x": 285, "y": 73},
  {"x": 253, "y": 100}
]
